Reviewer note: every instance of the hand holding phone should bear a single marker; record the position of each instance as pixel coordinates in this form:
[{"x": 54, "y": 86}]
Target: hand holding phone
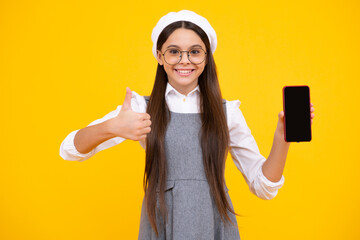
[{"x": 297, "y": 116}]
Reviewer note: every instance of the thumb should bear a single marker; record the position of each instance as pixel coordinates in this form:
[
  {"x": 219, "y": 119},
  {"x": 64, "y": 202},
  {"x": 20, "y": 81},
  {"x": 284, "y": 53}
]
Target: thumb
[
  {"x": 281, "y": 115},
  {"x": 127, "y": 102}
]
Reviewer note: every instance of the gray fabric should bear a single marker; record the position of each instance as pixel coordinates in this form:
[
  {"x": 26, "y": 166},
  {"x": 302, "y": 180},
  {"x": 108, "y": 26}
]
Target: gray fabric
[{"x": 192, "y": 212}]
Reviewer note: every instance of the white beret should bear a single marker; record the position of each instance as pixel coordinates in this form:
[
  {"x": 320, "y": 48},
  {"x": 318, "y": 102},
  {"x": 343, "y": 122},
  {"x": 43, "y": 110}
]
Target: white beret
[{"x": 184, "y": 15}]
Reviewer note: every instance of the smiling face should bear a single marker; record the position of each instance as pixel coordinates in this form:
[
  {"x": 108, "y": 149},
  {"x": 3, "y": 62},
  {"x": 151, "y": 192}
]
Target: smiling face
[{"x": 184, "y": 75}]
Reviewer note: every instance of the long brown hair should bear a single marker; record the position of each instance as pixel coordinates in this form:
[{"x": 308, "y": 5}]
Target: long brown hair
[{"x": 214, "y": 133}]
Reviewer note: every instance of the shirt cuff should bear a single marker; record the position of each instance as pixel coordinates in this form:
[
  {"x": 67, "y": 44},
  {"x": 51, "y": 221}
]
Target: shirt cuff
[
  {"x": 69, "y": 152},
  {"x": 266, "y": 189},
  {"x": 271, "y": 184}
]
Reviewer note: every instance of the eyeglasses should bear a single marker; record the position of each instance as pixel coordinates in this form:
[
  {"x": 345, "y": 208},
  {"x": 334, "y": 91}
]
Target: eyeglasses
[{"x": 173, "y": 56}]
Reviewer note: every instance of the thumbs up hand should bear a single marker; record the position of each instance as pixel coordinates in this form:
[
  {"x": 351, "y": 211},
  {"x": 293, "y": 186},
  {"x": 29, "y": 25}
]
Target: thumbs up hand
[{"x": 129, "y": 124}]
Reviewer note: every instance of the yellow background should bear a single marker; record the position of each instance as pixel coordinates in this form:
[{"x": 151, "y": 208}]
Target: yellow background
[{"x": 64, "y": 64}]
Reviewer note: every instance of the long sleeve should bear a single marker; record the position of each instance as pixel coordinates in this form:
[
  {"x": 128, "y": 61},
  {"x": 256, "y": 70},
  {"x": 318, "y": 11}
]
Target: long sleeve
[
  {"x": 246, "y": 155},
  {"x": 68, "y": 150}
]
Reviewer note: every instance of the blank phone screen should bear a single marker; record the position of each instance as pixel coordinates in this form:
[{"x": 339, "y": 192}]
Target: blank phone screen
[{"x": 297, "y": 113}]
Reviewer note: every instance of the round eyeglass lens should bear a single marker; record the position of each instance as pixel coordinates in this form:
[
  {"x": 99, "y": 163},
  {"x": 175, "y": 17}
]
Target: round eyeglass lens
[
  {"x": 197, "y": 56},
  {"x": 172, "y": 56}
]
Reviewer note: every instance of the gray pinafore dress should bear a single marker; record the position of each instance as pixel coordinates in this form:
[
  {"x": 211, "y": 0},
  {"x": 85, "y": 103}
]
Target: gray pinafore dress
[{"x": 192, "y": 212}]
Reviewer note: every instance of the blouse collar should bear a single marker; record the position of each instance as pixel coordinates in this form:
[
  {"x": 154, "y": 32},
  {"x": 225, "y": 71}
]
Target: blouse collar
[{"x": 171, "y": 89}]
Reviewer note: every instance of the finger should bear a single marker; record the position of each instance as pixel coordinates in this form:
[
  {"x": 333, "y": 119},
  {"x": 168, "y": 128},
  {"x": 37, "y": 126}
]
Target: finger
[
  {"x": 312, "y": 115},
  {"x": 281, "y": 114},
  {"x": 311, "y": 105},
  {"x": 141, "y": 137},
  {"x": 312, "y": 109},
  {"x": 146, "y": 123},
  {"x": 145, "y": 116},
  {"x": 145, "y": 130},
  {"x": 127, "y": 102}
]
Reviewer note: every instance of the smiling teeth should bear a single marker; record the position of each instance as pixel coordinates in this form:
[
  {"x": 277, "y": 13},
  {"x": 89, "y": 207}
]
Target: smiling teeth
[{"x": 187, "y": 71}]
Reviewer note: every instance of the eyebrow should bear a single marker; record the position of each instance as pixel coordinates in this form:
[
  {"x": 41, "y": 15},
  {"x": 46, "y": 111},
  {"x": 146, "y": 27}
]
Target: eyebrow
[{"x": 176, "y": 46}]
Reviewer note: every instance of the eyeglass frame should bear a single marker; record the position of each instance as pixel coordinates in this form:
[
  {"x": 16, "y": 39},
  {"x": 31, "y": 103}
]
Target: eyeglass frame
[{"x": 188, "y": 55}]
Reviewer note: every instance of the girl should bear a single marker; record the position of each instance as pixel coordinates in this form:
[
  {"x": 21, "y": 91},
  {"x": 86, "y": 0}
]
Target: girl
[{"x": 187, "y": 130}]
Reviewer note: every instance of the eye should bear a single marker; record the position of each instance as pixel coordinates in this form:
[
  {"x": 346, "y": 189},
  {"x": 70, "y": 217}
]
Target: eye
[
  {"x": 173, "y": 51},
  {"x": 194, "y": 52}
]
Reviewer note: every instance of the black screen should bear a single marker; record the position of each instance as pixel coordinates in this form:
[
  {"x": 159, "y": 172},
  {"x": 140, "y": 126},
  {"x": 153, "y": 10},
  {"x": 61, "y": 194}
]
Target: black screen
[{"x": 297, "y": 113}]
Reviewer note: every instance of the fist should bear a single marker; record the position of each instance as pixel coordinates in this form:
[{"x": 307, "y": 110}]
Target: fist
[{"x": 129, "y": 124}]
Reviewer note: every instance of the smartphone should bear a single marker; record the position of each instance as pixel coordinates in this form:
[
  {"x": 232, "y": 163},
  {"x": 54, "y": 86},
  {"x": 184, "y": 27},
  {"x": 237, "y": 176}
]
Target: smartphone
[{"x": 297, "y": 120}]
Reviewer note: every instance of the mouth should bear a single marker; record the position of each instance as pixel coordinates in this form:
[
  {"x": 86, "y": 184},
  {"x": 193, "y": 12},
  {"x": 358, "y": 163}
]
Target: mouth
[{"x": 184, "y": 72}]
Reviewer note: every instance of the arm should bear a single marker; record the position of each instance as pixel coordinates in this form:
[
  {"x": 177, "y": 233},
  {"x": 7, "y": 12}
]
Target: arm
[
  {"x": 127, "y": 124},
  {"x": 68, "y": 150},
  {"x": 120, "y": 124},
  {"x": 89, "y": 137},
  {"x": 246, "y": 155},
  {"x": 274, "y": 165}
]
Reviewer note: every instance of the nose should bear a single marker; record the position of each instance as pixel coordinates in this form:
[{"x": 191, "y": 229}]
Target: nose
[{"x": 184, "y": 58}]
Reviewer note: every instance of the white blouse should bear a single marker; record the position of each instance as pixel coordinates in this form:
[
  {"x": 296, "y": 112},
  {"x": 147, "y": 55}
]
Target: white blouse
[{"x": 243, "y": 148}]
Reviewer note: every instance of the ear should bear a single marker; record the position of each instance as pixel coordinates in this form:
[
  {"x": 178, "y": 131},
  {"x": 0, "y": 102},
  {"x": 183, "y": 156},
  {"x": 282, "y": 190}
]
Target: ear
[{"x": 159, "y": 57}]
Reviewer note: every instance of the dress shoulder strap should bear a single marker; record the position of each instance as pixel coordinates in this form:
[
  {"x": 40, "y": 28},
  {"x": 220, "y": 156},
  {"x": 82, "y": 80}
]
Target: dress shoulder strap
[
  {"x": 147, "y": 99},
  {"x": 224, "y": 107}
]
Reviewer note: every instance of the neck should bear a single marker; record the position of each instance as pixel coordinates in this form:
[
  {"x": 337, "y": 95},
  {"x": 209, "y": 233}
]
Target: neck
[{"x": 185, "y": 90}]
